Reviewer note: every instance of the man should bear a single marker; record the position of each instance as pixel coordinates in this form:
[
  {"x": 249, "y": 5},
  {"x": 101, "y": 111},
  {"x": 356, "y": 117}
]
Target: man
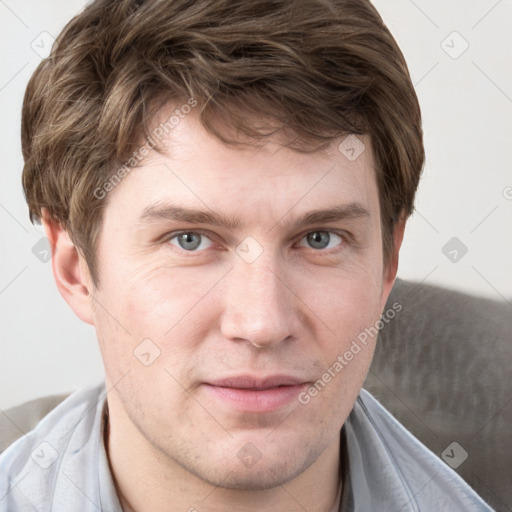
[{"x": 225, "y": 187}]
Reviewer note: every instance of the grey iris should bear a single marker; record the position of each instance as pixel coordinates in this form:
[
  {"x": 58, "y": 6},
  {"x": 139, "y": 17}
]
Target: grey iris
[
  {"x": 189, "y": 241},
  {"x": 319, "y": 239}
]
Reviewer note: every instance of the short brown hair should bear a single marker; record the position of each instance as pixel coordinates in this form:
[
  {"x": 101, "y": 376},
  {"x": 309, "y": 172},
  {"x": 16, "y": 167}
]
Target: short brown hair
[{"x": 319, "y": 68}]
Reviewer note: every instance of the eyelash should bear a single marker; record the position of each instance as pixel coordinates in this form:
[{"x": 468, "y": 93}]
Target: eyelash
[{"x": 345, "y": 240}]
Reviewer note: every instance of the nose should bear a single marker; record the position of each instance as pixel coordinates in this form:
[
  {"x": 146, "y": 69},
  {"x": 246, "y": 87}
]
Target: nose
[{"x": 259, "y": 304}]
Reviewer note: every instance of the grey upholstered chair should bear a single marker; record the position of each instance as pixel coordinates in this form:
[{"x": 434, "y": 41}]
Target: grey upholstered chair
[{"x": 443, "y": 367}]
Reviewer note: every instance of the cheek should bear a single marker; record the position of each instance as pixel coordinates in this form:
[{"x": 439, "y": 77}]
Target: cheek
[
  {"x": 154, "y": 301},
  {"x": 348, "y": 299},
  {"x": 349, "y": 309},
  {"x": 166, "y": 306}
]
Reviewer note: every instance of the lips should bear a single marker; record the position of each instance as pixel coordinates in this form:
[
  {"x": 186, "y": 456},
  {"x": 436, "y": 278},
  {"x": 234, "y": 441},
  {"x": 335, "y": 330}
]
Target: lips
[
  {"x": 248, "y": 382},
  {"x": 255, "y": 394}
]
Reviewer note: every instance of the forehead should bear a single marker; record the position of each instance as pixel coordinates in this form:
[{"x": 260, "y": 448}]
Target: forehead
[{"x": 196, "y": 169}]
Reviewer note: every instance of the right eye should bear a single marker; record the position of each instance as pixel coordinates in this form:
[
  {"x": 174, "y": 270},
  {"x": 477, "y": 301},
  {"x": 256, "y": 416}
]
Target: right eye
[{"x": 189, "y": 241}]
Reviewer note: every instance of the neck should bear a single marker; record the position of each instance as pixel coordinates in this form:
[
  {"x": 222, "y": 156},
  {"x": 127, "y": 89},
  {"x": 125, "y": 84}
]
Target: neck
[{"x": 146, "y": 480}]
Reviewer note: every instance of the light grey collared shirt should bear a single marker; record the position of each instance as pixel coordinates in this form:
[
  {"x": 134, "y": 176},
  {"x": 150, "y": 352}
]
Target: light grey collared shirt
[{"x": 62, "y": 466}]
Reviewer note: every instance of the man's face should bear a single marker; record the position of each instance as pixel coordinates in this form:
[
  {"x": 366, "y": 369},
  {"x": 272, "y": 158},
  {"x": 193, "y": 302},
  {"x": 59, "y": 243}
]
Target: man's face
[{"x": 212, "y": 340}]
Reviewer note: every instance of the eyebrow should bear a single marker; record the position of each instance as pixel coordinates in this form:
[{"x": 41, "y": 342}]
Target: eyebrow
[{"x": 167, "y": 212}]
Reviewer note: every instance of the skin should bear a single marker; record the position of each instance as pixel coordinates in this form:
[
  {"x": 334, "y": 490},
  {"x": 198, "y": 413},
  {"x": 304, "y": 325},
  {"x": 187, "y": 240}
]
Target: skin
[{"x": 212, "y": 314}]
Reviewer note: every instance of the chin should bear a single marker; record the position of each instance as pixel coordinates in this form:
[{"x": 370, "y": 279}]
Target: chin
[
  {"x": 264, "y": 471},
  {"x": 267, "y": 476}
]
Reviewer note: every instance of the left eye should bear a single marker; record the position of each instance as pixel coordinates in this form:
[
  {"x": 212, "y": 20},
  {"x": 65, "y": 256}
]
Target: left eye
[
  {"x": 322, "y": 239},
  {"x": 190, "y": 240}
]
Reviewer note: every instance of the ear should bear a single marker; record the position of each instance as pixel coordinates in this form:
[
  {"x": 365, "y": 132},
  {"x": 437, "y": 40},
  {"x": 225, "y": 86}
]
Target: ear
[
  {"x": 391, "y": 268},
  {"x": 69, "y": 269}
]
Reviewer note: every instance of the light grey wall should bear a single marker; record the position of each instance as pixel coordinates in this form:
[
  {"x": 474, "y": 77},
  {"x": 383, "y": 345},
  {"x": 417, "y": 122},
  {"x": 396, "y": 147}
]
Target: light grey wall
[{"x": 466, "y": 190}]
